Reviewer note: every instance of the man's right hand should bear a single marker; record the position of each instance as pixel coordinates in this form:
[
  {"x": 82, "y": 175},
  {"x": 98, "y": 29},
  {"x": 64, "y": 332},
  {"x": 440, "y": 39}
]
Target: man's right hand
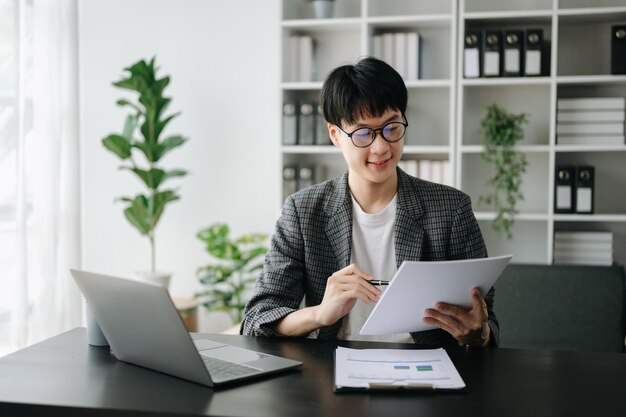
[{"x": 343, "y": 289}]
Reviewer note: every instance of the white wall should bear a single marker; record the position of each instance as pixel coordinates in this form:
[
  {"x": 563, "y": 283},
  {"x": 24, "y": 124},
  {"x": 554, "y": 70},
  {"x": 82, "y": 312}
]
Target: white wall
[{"x": 223, "y": 57}]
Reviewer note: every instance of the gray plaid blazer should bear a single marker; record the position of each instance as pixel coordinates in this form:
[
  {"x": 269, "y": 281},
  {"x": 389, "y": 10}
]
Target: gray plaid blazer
[{"x": 313, "y": 239}]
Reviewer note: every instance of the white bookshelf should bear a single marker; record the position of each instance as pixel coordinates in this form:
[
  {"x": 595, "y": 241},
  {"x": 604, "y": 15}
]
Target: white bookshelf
[
  {"x": 574, "y": 29},
  {"x": 444, "y": 109}
]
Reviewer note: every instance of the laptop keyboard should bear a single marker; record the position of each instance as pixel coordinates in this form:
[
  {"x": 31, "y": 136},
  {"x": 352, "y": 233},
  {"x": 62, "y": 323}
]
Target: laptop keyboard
[{"x": 222, "y": 370}]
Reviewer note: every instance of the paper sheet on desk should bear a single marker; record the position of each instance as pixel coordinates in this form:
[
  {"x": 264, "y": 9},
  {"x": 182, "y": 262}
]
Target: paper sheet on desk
[
  {"x": 367, "y": 368},
  {"x": 420, "y": 285}
]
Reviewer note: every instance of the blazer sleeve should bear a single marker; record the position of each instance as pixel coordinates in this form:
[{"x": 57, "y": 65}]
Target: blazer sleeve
[
  {"x": 466, "y": 242},
  {"x": 279, "y": 290}
]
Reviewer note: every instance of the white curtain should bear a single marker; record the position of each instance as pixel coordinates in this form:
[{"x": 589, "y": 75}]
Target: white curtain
[{"x": 38, "y": 298}]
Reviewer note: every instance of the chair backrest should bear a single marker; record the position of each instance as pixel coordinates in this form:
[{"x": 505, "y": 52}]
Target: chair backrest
[{"x": 562, "y": 307}]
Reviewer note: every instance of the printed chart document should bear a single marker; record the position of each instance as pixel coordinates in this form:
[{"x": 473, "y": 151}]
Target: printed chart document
[
  {"x": 429, "y": 369},
  {"x": 417, "y": 286}
]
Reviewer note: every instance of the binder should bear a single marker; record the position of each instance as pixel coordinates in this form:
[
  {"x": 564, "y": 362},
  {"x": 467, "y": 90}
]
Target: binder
[
  {"x": 290, "y": 181},
  {"x": 321, "y": 128},
  {"x": 618, "y": 49},
  {"x": 399, "y": 55},
  {"x": 290, "y": 124},
  {"x": 533, "y": 47},
  {"x": 564, "y": 183},
  {"x": 513, "y": 49},
  {"x": 413, "y": 56},
  {"x": 472, "y": 53},
  {"x": 306, "y": 62},
  {"x": 305, "y": 177},
  {"x": 585, "y": 189},
  {"x": 492, "y": 53},
  {"x": 306, "y": 125}
]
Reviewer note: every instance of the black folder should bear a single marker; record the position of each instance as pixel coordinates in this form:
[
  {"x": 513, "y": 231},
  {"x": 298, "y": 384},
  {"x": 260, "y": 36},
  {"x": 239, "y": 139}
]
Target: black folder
[
  {"x": 534, "y": 50},
  {"x": 585, "y": 189},
  {"x": 618, "y": 49},
  {"x": 290, "y": 123},
  {"x": 321, "y": 133},
  {"x": 306, "y": 124},
  {"x": 513, "y": 53},
  {"x": 492, "y": 53},
  {"x": 564, "y": 189},
  {"x": 290, "y": 180},
  {"x": 472, "y": 54}
]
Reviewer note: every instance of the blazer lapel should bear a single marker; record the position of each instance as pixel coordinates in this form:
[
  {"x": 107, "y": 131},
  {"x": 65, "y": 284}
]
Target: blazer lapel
[
  {"x": 409, "y": 233},
  {"x": 339, "y": 226}
]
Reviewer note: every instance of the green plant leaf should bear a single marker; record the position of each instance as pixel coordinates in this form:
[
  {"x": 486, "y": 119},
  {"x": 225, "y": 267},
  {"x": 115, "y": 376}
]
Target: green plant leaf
[
  {"x": 119, "y": 145},
  {"x": 251, "y": 238},
  {"x": 129, "y": 127},
  {"x": 124, "y": 102},
  {"x": 147, "y": 149},
  {"x": 161, "y": 124},
  {"x": 167, "y": 145},
  {"x": 137, "y": 214},
  {"x": 157, "y": 203}
]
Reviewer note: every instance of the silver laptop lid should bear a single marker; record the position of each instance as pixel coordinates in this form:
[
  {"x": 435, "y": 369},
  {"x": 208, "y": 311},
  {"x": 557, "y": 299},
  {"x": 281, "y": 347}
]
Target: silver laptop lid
[{"x": 142, "y": 325}]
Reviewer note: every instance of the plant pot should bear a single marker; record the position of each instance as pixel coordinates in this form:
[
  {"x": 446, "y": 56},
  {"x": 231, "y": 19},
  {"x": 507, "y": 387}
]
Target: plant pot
[
  {"x": 323, "y": 9},
  {"x": 160, "y": 278}
]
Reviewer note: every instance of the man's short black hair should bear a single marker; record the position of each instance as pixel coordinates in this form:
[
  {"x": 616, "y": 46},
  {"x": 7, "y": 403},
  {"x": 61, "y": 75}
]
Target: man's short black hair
[{"x": 367, "y": 89}]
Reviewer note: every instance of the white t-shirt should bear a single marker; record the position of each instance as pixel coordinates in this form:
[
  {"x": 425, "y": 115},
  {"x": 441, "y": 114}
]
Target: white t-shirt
[{"x": 373, "y": 251}]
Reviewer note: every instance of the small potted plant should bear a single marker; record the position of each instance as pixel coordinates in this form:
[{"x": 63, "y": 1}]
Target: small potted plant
[
  {"x": 141, "y": 147},
  {"x": 501, "y": 131},
  {"x": 323, "y": 9},
  {"x": 235, "y": 264}
]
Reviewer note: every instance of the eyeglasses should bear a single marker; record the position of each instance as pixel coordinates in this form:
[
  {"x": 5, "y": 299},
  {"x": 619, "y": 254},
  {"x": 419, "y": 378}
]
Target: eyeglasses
[{"x": 365, "y": 136}]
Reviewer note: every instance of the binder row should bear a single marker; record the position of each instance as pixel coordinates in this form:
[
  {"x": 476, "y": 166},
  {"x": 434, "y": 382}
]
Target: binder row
[
  {"x": 583, "y": 248},
  {"x": 401, "y": 51},
  {"x": 574, "y": 189},
  {"x": 301, "y": 56},
  {"x": 508, "y": 53},
  {"x": 591, "y": 121},
  {"x": 439, "y": 171},
  {"x": 298, "y": 177},
  {"x": 304, "y": 124},
  {"x": 618, "y": 49}
]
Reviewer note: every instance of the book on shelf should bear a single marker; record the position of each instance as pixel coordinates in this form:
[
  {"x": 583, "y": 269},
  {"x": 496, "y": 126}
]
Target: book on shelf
[
  {"x": 591, "y": 116},
  {"x": 399, "y": 56},
  {"x": 513, "y": 50},
  {"x": 292, "y": 72},
  {"x": 472, "y": 54},
  {"x": 413, "y": 56},
  {"x": 306, "y": 62},
  {"x": 290, "y": 123},
  {"x": 590, "y": 128},
  {"x": 377, "y": 46},
  {"x": 492, "y": 53},
  {"x": 306, "y": 124},
  {"x": 592, "y": 103},
  {"x": 321, "y": 128},
  {"x": 574, "y": 246},
  {"x": 583, "y": 260},
  {"x": 410, "y": 166},
  {"x": 590, "y": 140},
  {"x": 388, "y": 48},
  {"x": 535, "y": 55},
  {"x": 290, "y": 181},
  {"x": 583, "y": 236}
]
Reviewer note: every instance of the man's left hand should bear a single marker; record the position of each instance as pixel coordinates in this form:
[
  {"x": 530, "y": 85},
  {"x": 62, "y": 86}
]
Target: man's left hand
[{"x": 469, "y": 327}]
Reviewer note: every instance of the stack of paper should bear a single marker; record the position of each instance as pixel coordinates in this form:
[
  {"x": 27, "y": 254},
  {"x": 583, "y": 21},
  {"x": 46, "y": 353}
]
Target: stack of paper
[
  {"x": 300, "y": 66},
  {"x": 439, "y": 171},
  {"x": 591, "y": 121},
  {"x": 583, "y": 248}
]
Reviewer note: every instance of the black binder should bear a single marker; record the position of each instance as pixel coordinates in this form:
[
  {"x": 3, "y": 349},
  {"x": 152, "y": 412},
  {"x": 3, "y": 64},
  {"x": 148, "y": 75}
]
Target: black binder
[
  {"x": 290, "y": 181},
  {"x": 472, "y": 54},
  {"x": 305, "y": 177},
  {"x": 306, "y": 125},
  {"x": 321, "y": 129},
  {"x": 585, "y": 189},
  {"x": 618, "y": 49},
  {"x": 290, "y": 124},
  {"x": 564, "y": 184},
  {"x": 534, "y": 50},
  {"x": 492, "y": 53},
  {"x": 513, "y": 53}
]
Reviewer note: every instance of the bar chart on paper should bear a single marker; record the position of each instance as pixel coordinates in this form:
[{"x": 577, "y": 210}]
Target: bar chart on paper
[{"x": 364, "y": 368}]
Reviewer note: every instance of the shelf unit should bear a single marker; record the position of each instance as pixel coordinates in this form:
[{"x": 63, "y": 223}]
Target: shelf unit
[
  {"x": 574, "y": 29},
  {"x": 445, "y": 110}
]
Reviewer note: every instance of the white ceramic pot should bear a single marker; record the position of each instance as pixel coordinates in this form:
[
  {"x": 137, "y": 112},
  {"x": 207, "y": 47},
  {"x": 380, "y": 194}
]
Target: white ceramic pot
[
  {"x": 323, "y": 9},
  {"x": 161, "y": 278}
]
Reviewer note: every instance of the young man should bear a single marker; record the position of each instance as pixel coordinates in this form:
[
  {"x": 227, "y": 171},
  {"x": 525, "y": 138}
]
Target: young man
[{"x": 334, "y": 237}]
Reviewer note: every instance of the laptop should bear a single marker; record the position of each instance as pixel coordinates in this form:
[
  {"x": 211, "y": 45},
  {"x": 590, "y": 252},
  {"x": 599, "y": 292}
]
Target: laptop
[{"x": 144, "y": 328}]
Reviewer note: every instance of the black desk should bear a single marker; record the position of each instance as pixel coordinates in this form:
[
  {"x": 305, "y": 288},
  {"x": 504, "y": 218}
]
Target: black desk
[{"x": 63, "y": 376}]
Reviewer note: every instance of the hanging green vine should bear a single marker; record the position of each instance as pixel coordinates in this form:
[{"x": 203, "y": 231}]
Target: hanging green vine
[{"x": 501, "y": 131}]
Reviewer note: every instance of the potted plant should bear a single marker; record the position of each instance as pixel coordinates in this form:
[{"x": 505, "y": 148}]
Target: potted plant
[
  {"x": 235, "y": 264},
  {"x": 501, "y": 131},
  {"x": 141, "y": 148},
  {"x": 323, "y": 9}
]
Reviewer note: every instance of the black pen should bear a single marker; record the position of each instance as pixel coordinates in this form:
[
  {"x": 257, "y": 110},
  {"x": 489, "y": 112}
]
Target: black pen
[{"x": 379, "y": 282}]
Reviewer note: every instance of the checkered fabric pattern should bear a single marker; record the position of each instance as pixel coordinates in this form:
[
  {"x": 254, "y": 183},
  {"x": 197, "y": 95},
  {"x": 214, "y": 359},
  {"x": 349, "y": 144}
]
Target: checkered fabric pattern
[{"x": 313, "y": 239}]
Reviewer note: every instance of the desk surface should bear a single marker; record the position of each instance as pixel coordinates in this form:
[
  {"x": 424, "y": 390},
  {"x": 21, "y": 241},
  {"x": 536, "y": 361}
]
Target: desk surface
[{"x": 63, "y": 376}]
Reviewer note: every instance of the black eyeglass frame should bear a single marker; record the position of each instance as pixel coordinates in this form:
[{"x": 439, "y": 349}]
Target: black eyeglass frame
[{"x": 405, "y": 124}]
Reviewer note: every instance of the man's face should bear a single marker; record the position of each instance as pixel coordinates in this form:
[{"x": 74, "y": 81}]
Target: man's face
[{"x": 376, "y": 163}]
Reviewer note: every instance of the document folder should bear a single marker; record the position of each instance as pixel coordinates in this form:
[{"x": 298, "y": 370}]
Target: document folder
[
  {"x": 426, "y": 370},
  {"x": 420, "y": 285}
]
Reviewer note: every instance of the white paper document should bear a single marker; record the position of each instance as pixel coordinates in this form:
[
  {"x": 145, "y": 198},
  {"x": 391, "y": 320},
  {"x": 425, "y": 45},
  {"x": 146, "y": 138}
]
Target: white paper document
[
  {"x": 395, "y": 368},
  {"x": 417, "y": 286}
]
